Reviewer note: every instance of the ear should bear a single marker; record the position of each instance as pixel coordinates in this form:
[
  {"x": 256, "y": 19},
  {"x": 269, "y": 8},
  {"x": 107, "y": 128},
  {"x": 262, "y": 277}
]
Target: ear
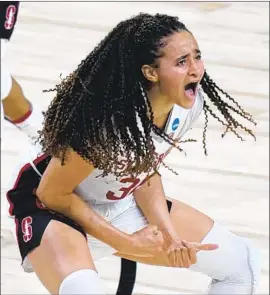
[{"x": 150, "y": 73}]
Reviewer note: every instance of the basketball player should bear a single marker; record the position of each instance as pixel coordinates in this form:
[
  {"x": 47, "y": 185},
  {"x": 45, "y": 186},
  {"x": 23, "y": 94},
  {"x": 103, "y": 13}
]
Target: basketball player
[
  {"x": 15, "y": 107},
  {"x": 95, "y": 188}
]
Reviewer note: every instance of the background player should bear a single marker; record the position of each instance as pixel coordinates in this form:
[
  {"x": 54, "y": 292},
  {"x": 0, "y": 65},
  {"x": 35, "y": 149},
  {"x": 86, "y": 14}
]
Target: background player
[{"x": 15, "y": 107}]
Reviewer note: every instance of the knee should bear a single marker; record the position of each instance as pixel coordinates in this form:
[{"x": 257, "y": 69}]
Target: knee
[
  {"x": 247, "y": 269},
  {"x": 241, "y": 273},
  {"x": 83, "y": 281},
  {"x": 235, "y": 266}
]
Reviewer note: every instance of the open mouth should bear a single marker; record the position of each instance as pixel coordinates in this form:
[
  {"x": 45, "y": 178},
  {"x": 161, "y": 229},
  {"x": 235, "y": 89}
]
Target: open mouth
[{"x": 191, "y": 89}]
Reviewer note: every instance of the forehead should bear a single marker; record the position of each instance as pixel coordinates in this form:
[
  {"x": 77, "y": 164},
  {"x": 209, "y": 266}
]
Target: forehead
[{"x": 179, "y": 43}]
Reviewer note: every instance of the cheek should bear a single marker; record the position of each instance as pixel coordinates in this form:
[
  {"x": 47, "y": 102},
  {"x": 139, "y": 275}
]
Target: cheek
[
  {"x": 201, "y": 69},
  {"x": 172, "y": 77}
]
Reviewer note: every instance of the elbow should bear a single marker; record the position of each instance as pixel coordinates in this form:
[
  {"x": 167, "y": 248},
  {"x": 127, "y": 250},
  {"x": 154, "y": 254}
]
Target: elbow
[
  {"x": 40, "y": 194},
  {"x": 48, "y": 199},
  {"x": 54, "y": 200},
  {"x": 44, "y": 197}
]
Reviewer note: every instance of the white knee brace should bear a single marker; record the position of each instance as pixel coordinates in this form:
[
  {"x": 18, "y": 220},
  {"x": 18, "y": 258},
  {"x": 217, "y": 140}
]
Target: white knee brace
[
  {"x": 84, "y": 281},
  {"x": 234, "y": 268}
]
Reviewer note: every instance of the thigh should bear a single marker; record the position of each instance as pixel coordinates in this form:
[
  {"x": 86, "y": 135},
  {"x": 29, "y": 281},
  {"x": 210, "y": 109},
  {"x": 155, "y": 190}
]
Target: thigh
[
  {"x": 191, "y": 224},
  {"x": 53, "y": 246}
]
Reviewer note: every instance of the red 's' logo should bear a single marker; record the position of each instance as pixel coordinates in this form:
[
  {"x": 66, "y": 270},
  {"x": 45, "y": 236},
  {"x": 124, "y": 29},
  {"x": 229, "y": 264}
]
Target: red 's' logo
[
  {"x": 27, "y": 228},
  {"x": 10, "y": 17}
]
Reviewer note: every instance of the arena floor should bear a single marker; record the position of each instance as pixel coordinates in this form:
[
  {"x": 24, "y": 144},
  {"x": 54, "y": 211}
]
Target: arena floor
[{"x": 231, "y": 184}]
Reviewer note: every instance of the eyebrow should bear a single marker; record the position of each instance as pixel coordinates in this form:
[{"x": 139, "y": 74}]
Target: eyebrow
[{"x": 186, "y": 55}]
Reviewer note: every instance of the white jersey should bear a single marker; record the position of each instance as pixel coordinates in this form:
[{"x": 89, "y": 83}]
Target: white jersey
[{"x": 99, "y": 189}]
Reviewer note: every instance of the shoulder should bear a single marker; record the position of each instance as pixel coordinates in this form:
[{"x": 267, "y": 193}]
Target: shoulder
[{"x": 59, "y": 178}]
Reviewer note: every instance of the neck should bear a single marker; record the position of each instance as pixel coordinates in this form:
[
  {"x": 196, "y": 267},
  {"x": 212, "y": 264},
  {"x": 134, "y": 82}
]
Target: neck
[{"x": 161, "y": 107}]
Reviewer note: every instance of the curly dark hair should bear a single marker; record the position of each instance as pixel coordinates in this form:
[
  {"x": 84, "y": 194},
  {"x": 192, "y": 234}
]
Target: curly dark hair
[{"x": 97, "y": 107}]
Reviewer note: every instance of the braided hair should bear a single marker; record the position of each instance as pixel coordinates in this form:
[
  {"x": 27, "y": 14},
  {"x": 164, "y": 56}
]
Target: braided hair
[{"x": 97, "y": 108}]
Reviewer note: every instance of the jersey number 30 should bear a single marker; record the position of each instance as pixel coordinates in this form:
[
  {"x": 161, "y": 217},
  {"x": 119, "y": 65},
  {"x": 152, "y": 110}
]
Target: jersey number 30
[{"x": 134, "y": 183}]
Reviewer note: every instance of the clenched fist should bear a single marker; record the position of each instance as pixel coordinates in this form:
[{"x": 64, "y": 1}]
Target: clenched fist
[{"x": 145, "y": 242}]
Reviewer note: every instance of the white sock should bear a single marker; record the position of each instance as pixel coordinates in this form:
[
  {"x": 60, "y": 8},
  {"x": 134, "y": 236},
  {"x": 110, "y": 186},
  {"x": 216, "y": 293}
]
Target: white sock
[{"x": 32, "y": 124}]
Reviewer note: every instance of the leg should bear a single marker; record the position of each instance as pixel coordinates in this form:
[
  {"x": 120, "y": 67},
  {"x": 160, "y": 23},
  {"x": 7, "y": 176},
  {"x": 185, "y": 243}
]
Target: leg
[
  {"x": 234, "y": 267},
  {"x": 15, "y": 104},
  {"x": 61, "y": 259},
  {"x": 16, "y": 107},
  {"x": 18, "y": 110}
]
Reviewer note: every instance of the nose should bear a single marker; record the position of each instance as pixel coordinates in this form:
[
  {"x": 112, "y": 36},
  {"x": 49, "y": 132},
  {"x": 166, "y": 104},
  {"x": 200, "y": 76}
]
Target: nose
[{"x": 194, "y": 69}]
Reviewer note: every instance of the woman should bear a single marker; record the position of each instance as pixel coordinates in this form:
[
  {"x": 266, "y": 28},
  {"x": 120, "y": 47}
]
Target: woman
[{"x": 95, "y": 189}]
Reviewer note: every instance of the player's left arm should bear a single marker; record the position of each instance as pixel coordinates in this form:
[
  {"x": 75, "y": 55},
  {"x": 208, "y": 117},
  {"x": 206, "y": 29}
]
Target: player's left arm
[{"x": 150, "y": 197}]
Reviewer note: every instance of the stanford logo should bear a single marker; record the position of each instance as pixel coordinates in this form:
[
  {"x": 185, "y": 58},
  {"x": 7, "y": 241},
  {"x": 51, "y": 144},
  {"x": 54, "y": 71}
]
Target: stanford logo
[
  {"x": 27, "y": 228},
  {"x": 10, "y": 17}
]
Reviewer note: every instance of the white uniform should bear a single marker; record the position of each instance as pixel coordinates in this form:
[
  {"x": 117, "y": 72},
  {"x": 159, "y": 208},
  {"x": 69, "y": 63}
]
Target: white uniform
[
  {"x": 109, "y": 189},
  {"x": 98, "y": 190},
  {"x": 113, "y": 198}
]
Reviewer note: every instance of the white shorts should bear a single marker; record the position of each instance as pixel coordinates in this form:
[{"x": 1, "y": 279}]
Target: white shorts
[{"x": 124, "y": 215}]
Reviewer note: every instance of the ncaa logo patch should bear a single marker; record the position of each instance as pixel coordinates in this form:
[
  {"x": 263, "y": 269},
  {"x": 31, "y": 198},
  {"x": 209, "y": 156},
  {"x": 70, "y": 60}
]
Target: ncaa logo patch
[{"x": 175, "y": 124}]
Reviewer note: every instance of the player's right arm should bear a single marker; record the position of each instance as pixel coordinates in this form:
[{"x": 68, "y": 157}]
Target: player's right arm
[{"x": 56, "y": 191}]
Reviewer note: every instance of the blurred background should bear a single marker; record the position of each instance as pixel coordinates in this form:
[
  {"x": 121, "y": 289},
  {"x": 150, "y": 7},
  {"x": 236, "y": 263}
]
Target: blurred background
[{"x": 231, "y": 184}]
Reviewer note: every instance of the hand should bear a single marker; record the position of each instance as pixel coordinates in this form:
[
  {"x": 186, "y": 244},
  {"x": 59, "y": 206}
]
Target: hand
[
  {"x": 183, "y": 254},
  {"x": 145, "y": 242}
]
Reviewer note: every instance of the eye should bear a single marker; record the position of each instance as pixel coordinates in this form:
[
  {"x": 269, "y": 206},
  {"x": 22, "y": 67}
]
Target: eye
[
  {"x": 199, "y": 57},
  {"x": 182, "y": 62}
]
